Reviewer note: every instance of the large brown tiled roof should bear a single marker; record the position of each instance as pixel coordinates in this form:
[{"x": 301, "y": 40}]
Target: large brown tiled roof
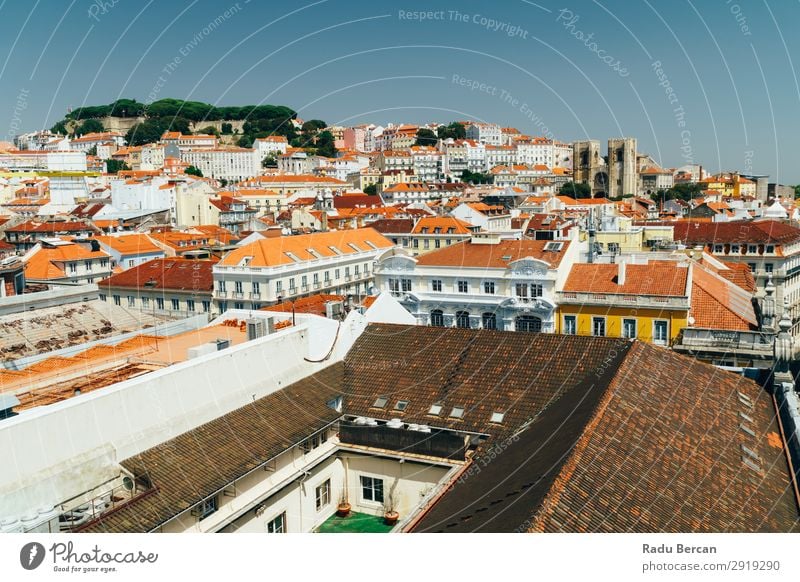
[
  {"x": 495, "y": 256},
  {"x": 171, "y": 274},
  {"x": 759, "y": 231},
  {"x": 718, "y": 303},
  {"x": 198, "y": 463},
  {"x": 484, "y": 371},
  {"x": 664, "y": 278},
  {"x": 665, "y": 453},
  {"x": 652, "y": 444}
]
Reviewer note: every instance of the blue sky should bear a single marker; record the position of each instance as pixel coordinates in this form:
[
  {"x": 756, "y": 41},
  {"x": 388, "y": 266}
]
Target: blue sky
[{"x": 708, "y": 82}]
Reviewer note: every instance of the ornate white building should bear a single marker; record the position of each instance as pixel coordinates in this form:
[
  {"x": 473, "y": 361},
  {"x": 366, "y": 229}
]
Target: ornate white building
[{"x": 487, "y": 282}]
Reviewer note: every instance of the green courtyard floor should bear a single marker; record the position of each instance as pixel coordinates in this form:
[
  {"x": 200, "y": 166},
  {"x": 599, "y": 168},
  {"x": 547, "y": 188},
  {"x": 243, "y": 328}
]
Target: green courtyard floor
[{"x": 354, "y": 523}]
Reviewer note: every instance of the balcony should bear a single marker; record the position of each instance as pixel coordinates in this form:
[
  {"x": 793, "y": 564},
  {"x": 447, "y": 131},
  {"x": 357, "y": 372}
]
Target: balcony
[
  {"x": 221, "y": 293},
  {"x": 317, "y": 285},
  {"x": 348, "y": 277},
  {"x": 238, "y": 295},
  {"x": 255, "y": 296},
  {"x": 752, "y": 342},
  {"x": 304, "y": 288},
  {"x": 615, "y": 300}
]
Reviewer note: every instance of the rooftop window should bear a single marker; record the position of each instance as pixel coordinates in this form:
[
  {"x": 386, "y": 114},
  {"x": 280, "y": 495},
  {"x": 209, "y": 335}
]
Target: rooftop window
[
  {"x": 380, "y": 402},
  {"x": 497, "y": 417},
  {"x": 401, "y": 405},
  {"x": 435, "y": 410},
  {"x": 457, "y": 412}
]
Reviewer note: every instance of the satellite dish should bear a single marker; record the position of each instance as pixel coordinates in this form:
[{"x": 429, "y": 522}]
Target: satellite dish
[{"x": 127, "y": 483}]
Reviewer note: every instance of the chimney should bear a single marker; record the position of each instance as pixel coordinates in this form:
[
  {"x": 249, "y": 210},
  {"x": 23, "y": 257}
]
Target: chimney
[
  {"x": 592, "y": 236},
  {"x": 324, "y": 221},
  {"x": 621, "y": 273}
]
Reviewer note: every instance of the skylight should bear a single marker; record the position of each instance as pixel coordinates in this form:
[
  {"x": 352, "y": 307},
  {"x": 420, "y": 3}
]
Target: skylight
[
  {"x": 553, "y": 246},
  {"x": 457, "y": 412},
  {"x": 435, "y": 410},
  {"x": 497, "y": 417},
  {"x": 401, "y": 405},
  {"x": 380, "y": 402},
  {"x": 335, "y": 250},
  {"x": 292, "y": 256}
]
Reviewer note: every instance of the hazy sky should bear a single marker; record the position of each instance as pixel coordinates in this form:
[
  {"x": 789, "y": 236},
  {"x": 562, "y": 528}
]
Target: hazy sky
[{"x": 710, "y": 82}]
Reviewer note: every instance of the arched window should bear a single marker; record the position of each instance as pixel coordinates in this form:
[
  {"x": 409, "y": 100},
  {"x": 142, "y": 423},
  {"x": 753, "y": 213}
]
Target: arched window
[
  {"x": 462, "y": 319},
  {"x": 529, "y": 323},
  {"x": 489, "y": 321},
  {"x": 437, "y": 318}
]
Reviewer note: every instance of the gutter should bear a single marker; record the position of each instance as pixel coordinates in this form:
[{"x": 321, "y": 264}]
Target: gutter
[{"x": 788, "y": 453}]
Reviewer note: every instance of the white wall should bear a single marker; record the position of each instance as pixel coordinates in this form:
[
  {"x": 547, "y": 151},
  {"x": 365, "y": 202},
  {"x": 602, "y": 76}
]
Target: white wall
[{"x": 39, "y": 445}]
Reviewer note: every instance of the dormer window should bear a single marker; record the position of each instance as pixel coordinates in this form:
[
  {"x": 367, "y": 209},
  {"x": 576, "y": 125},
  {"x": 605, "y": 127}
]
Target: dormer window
[
  {"x": 457, "y": 412},
  {"x": 497, "y": 417}
]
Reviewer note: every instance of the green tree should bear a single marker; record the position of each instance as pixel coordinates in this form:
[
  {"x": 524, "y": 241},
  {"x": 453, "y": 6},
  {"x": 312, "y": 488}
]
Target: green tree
[
  {"x": 60, "y": 128},
  {"x": 372, "y": 189},
  {"x": 324, "y": 144},
  {"x": 684, "y": 191},
  {"x": 90, "y": 126},
  {"x": 269, "y": 161},
  {"x": 454, "y": 130},
  {"x": 476, "y": 177},
  {"x": 227, "y": 128},
  {"x": 576, "y": 190},
  {"x": 210, "y": 130},
  {"x": 426, "y": 137},
  {"x": 92, "y": 151},
  {"x": 192, "y": 171},
  {"x": 114, "y": 166},
  {"x": 797, "y": 191}
]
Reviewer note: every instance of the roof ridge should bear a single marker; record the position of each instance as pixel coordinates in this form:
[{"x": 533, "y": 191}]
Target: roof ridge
[{"x": 568, "y": 467}]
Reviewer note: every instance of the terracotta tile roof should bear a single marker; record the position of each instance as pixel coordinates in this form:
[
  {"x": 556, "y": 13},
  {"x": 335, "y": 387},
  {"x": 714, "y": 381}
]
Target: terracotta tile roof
[
  {"x": 759, "y": 231},
  {"x": 171, "y": 273},
  {"x": 53, "y": 228},
  {"x": 445, "y": 224},
  {"x": 663, "y": 278},
  {"x": 483, "y": 372},
  {"x": 663, "y": 453},
  {"x": 495, "y": 256},
  {"x": 238, "y": 442},
  {"x": 353, "y": 200},
  {"x": 393, "y": 225},
  {"x": 314, "y": 304},
  {"x": 649, "y": 441},
  {"x": 271, "y": 252},
  {"x": 47, "y": 262},
  {"x": 719, "y": 304},
  {"x": 130, "y": 244}
]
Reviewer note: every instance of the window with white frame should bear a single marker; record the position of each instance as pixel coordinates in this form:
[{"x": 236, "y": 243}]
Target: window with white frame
[
  {"x": 660, "y": 332},
  {"x": 488, "y": 287},
  {"x": 323, "y": 495},
  {"x": 277, "y": 525},
  {"x": 436, "y": 285},
  {"x": 599, "y": 326},
  {"x": 463, "y": 286},
  {"x": 371, "y": 489},
  {"x": 629, "y": 328},
  {"x": 570, "y": 325}
]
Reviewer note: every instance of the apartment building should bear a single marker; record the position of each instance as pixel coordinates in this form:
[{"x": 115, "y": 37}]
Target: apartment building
[
  {"x": 232, "y": 164},
  {"x": 55, "y": 260},
  {"x": 129, "y": 250},
  {"x": 272, "y": 269},
  {"x": 486, "y": 133},
  {"x": 486, "y": 282},
  {"x": 174, "y": 287},
  {"x": 770, "y": 248}
]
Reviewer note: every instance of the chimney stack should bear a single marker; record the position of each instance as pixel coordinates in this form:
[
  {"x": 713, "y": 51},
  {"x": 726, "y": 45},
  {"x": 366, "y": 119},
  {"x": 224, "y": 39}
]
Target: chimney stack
[{"x": 621, "y": 273}]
